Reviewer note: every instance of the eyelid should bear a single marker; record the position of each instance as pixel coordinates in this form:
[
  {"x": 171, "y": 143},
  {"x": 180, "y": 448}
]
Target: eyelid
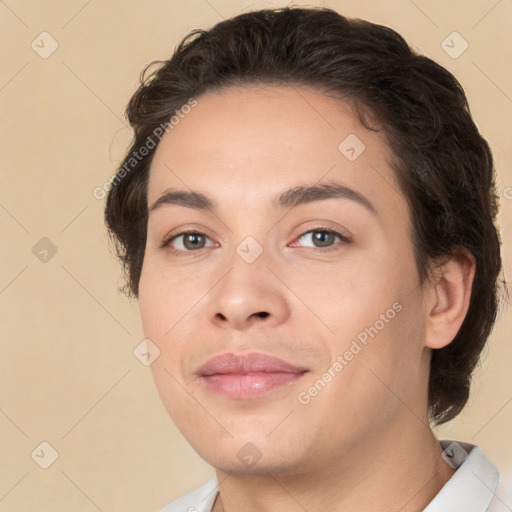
[{"x": 197, "y": 229}]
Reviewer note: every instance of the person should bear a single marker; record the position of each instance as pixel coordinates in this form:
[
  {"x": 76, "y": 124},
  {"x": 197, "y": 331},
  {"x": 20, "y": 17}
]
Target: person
[{"x": 307, "y": 217}]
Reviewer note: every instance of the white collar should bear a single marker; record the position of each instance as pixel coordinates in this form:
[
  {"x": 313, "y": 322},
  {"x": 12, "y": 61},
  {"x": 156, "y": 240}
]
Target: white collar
[{"x": 472, "y": 486}]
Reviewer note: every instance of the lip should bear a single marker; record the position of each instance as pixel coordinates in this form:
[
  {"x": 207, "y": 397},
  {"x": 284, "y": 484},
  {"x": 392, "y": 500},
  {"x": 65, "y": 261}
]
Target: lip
[{"x": 247, "y": 375}]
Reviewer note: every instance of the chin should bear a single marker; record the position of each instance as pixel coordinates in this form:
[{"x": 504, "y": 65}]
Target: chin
[
  {"x": 244, "y": 454},
  {"x": 263, "y": 466}
]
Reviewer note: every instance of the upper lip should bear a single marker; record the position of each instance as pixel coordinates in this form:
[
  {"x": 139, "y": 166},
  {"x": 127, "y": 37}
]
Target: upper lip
[{"x": 246, "y": 362}]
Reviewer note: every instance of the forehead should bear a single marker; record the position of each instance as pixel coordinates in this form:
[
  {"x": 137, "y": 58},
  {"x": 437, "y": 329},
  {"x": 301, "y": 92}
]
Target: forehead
[{"x": 249, "y": 142}]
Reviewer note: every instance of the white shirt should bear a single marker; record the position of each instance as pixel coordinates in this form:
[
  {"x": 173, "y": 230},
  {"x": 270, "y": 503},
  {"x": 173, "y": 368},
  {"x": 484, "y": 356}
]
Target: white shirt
[{"x": 472, "y": 488}]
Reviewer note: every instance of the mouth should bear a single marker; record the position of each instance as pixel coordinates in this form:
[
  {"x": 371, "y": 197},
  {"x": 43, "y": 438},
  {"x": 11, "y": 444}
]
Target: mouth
[{"x": 247, "y": 375}]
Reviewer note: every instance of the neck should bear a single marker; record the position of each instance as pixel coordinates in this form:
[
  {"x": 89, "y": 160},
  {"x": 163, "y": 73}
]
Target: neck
[{"x": 398, "y": 470}]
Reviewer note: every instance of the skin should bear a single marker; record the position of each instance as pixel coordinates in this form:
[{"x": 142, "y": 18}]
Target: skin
[{"x": 366, "y": 433}]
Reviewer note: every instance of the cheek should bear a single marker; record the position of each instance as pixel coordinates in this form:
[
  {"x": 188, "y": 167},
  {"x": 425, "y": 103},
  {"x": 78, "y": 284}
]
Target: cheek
[
  {"x": 350, "y": 297},
  {"x": 172, "y": 314},
  {"x": 160, "y": 315},
  {"x": 150, "y": 305},
  {"x": 165, "y": 300},
  {"x": 373, "y": 306}
]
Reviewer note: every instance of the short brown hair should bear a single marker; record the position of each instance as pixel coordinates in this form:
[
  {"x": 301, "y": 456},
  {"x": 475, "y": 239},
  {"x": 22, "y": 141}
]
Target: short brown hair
[{"x": 443, "y": 165}]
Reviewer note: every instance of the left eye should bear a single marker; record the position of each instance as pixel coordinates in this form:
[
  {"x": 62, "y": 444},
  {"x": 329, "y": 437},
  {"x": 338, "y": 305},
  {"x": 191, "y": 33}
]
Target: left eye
[{"x": 323, "y": 237}]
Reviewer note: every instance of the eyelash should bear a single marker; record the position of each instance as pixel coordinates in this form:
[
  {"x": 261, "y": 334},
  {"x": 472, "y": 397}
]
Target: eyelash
[{"x": 166, "y": 244}]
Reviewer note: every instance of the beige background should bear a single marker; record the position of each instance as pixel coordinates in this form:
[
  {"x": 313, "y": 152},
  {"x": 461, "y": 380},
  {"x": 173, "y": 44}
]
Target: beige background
[{"x": 68, "y": 374}]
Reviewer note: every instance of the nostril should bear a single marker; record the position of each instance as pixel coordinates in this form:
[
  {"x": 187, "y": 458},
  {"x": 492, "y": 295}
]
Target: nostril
[{"x": 262, "y": 314}]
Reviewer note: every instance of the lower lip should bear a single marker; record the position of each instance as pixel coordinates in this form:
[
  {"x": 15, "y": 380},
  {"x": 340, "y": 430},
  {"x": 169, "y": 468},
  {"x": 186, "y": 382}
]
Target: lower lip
[{"x": 250, "y": 385}]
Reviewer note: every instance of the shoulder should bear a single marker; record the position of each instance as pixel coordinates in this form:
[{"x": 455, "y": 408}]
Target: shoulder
[{"x": 199, "y": 500}]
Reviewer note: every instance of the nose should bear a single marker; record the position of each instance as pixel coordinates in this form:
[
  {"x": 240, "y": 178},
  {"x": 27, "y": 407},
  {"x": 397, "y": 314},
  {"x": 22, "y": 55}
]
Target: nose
[{"x": 249, "y": 294}]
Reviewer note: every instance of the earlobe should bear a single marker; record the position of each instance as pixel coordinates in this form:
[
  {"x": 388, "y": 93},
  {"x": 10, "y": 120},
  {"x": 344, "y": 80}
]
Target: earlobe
[{"x": 449, "y": 298}]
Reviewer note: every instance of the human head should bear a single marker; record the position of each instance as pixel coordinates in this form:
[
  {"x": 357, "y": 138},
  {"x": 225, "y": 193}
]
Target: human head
[{"x": 443, "y": 166}]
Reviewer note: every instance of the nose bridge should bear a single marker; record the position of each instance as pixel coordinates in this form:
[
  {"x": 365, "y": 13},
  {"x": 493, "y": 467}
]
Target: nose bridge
[
  {"x": 250, "y": 250},
  {"x": 248, "y": 276},
  {"x": 251, "y": 242}
]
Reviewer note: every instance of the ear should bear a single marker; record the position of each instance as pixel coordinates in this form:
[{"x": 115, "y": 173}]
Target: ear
[{"x": 448, "y": 299}]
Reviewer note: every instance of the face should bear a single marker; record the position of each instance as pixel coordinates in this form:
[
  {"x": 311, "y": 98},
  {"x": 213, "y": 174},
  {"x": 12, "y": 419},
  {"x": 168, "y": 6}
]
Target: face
[{"x": 290, "y": 324}]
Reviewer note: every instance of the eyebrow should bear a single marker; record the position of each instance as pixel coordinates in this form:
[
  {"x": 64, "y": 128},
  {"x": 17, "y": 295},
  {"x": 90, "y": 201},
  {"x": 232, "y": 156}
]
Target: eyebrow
[{"x": 288, "y": 199}]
